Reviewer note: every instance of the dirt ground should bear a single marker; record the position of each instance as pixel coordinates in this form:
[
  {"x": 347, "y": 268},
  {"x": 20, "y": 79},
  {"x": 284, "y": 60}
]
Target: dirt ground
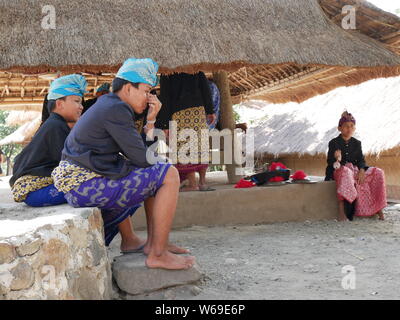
[
  {"x": 288, "y": 260},
  {"x": 293, "y": 260}
]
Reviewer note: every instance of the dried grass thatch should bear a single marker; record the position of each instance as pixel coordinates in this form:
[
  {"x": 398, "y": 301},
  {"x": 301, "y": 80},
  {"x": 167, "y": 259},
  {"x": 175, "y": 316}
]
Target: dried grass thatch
[
  {"x": 17, "y": 118},
  {"x": 298, "y": 86},
  {"x": 23, "y": 134},
  {"x": 371, "y": 21},
  {"x": 307, "y": 128},
  {"x": 181, "y": 35}
]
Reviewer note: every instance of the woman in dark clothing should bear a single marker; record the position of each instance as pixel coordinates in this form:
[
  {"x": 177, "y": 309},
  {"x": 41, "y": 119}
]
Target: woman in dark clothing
[
  {"x": 187, "y": 100},
  {"x": 360, "y": 189},
  {"x": 31, "y": 181}
]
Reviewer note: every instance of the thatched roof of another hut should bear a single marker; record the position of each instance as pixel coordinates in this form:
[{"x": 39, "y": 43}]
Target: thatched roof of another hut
[
  {"x": 370, "y": 20},
  {"x": 17, "y": 118},
  {"x": 181, "y": 35},
  {"x": 23, "y": 134},
  {"x": 307, "y": 128}
]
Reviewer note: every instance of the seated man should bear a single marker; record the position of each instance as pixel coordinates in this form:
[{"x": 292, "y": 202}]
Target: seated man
[
  {"x": 31, "y": 181},
  {"x": 104, "y": 165}
]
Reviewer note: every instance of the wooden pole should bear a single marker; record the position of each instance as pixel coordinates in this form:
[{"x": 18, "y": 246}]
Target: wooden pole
[{"x": 227, "y": 120}]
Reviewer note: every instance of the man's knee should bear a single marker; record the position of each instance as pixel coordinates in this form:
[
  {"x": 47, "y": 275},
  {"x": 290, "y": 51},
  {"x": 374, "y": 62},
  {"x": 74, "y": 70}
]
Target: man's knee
[{"x": 172, "y": 175}]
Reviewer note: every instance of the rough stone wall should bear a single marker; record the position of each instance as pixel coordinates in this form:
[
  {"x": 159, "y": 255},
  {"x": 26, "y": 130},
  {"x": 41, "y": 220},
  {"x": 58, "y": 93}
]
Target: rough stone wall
[{"x": 66, "y": 259}]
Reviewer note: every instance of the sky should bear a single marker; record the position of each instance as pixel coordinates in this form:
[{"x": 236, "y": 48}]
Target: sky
[{"x": 387, "y": 5}]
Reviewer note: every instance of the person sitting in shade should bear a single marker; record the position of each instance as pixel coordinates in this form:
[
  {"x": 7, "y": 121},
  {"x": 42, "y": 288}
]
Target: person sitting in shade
[
  {"x": 102, "y": 90},
  {"x": 104, "y": 165},
  {"x": 361, "y": 190},
  {"x": 31, "y": 181}
]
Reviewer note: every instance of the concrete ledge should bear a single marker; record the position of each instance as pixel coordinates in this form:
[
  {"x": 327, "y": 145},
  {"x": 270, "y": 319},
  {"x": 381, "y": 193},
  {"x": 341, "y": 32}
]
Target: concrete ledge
[
  {"x": 133, "y": 277},
  {"x": 228, "y": 206},
  {"x": 52, "y": 253}
]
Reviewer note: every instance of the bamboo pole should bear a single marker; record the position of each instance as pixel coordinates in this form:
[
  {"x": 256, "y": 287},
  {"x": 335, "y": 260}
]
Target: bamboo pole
[{"x": 227, "y": 120}]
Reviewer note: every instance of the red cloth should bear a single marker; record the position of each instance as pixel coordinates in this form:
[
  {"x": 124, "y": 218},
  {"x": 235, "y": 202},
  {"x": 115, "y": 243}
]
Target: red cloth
[
  {"x": 245, "y": 184},
  {"x": 276, "y": 166},
  {"x": 371, "y": 195},
  {"x": 276, "y": 179},
  {"x": 299, "y": 175}
]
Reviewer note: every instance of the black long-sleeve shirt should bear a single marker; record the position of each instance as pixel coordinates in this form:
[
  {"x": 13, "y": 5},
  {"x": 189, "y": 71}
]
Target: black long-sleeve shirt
[
  {"x": 181, "y": 91},
  {"x": 43, "y": 153},
  {"x": 351, "y": 152},
  {"x": 102, "y": 134}
]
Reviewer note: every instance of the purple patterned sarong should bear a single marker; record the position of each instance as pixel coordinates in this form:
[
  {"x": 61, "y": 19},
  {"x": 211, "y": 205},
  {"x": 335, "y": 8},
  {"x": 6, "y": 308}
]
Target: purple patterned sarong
[{"x": 118, "y": 199}]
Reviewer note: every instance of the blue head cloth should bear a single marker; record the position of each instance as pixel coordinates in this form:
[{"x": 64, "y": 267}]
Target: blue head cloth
[
  {"x": 139, "y": 71},
  {"x": 104, "y": 87},
  {"x": 71, "y": 85}
]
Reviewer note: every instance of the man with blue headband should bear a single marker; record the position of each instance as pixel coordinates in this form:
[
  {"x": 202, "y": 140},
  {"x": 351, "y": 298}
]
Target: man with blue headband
[
  {"x": 31, "y": 181},
  {"x": 104, "y": 164}
]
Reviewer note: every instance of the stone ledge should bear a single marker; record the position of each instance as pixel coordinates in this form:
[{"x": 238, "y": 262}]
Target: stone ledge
[
  {"x": 55, "y": 252},
  {"x": 134, "y": 278}
]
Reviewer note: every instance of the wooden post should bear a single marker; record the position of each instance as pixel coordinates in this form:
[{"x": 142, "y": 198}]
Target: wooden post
[{"x": 227, "y": 120}]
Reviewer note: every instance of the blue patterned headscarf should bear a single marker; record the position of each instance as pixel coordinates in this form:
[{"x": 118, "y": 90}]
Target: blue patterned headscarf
[
  {"x": 139, "y": 71},
  {"x": 105, "y": 87},
  {"x": 71, "y": 85}
]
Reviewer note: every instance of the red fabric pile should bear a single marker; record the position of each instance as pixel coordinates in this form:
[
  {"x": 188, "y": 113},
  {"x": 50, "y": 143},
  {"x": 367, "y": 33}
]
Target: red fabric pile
[
  {"x": 276, "y": 179},
  {"x": 299, "y": 175},
  {"x": 245, "y": 184},
  {"x": 276, "y": 166}
]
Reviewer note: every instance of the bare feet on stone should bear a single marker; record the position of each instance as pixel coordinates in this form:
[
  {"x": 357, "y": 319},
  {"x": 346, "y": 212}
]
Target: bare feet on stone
[
  {"x": 171, "y": 248},
  {"x": 175, "y": 249},
  {"x": 381, "y": 215},
  {"x": 132, "y": 244},
  {"x": 169, "y": 261}
]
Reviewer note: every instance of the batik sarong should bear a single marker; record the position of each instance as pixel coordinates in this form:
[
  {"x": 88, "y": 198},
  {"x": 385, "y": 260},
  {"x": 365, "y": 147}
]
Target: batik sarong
[
  {"x": 118, "y": 199},
  {"x": 370, "y": 196},
  {"x": 37, "y": 191},
  {"x": 192, "y": 118}
]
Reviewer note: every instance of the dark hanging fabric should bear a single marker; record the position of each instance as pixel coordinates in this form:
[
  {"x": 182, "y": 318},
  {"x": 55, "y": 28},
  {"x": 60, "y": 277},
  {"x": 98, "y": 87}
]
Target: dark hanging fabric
[{"x": 181, "y": 91}]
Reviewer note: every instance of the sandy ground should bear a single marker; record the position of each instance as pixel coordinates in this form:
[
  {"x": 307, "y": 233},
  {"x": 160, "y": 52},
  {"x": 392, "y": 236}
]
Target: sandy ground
[
  {"x": 293, "y": 260},
  {"x": 288, "y": 260}
]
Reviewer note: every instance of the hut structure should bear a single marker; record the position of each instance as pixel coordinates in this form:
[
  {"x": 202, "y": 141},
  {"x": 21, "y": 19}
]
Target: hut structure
[
  {"x": 292, "y": 49},
  {"x": 291, "y": 82},
  {"x": 298, "y": 134}
]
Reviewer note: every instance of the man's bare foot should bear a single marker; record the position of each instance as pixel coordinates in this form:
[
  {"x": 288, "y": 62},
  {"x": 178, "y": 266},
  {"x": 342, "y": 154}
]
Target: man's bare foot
[
  {"x": 177, "y": 250},
  {"x": 170, "y": 247},
  {"x": 132, "y": 244},
  {"x": 381, "y": 215},
  {"x": 169, "y": 261},
  {"x": 188, "y": 188}
]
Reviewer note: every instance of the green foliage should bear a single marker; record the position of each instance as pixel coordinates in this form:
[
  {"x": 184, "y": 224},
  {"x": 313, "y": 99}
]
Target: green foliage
[
  {"x": 9, "y": 150},
  {"x": 236, "y": 116}
]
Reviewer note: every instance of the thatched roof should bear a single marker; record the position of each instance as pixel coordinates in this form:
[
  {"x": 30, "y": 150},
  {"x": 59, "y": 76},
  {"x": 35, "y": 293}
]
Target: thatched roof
[
  {"x": 299, "y": 83},
  {"x": 25, "y": 92},
  {"x": 96, "y": 36},
  {"x": 23, "y": 134},
  {"x": 378, "y": 24},
  {"x": 16, "y": 118},
  {"x": 275, "y": 50},
  {"x": 306, "y": 128}
]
